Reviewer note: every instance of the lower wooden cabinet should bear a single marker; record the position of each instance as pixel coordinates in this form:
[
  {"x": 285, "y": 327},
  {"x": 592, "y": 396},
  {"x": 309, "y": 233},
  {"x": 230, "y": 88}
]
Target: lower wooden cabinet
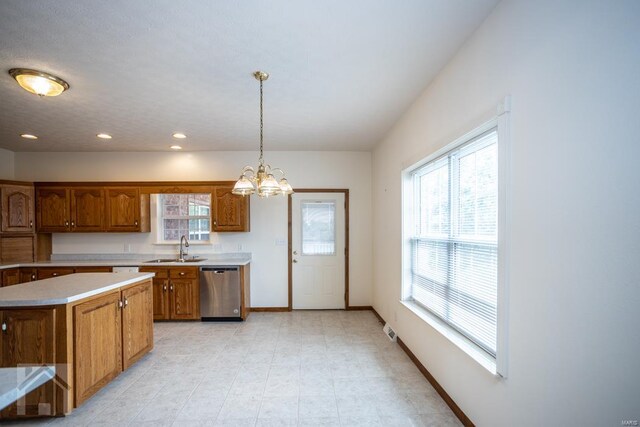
[
  {"x": 49, "y": 272},
  {"x": 97, "y": 342},
  {"x": 137, "y": 323},
  {"x": 98, "y": 338},
  {"x": 176, "y": 293},
  {"x": 10, "y": 276},
  {"x": 28, "y": 338}
]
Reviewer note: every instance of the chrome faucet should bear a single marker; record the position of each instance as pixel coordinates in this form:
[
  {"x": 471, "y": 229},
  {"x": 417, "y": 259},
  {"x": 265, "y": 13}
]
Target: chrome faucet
[{"x": 182, "y": 250}]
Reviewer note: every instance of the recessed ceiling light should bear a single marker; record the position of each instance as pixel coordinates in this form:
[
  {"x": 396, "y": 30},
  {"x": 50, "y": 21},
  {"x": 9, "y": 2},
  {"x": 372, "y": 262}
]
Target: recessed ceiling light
[
  {"x": 28, "y": 136},
  {"x": 179, "y": 135},
  {"x": 103, "y": 136},
  {"x": 37, "y": 82},
  {"x": 176, "y": 147}
]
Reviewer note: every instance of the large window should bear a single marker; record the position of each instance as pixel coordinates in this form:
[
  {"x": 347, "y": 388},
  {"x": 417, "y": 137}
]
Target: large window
[
  {"x": 184, "y": 215},
  {"x": 454, "y": 239}
]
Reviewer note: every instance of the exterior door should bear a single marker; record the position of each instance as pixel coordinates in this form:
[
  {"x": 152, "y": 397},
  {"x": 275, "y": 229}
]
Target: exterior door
[{"x": 318, "y": 250}]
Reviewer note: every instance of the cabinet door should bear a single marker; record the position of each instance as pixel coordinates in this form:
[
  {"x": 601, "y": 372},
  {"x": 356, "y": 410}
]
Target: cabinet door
[
  {"x": 10, "y": 277},
  {"x": 27, "y": 274},
  {"x": 184, "y": 299},
  {"x": 87, "y": 209},
  {"x": 123, "y": 209},
  {"x": 49, "y": 272},
  {"x": 17, "y": 209},
  {"x": 17, "y": 248},
  {"x": 230, "y": 212},
  {"x": 97, "y": 341},
  {"x": 52, "y": 210},
  {"x": 28, "y": 338},
  {"x": 137, "y": 323},
  {"x": 160, "y": 299}
]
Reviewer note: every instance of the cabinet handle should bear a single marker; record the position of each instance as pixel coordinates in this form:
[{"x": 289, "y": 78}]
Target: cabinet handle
[
  {"x": 4, "y": 327},
  {"x": 120, "y": 304},
  {"x": 33, "y": 277},
  {"x": 135, "y": 223},
  {"x": 30, "y": 224},
  {"x": 164, "y": 288},
  {"x": 171, "y": 287},
  {"x": 54, "y": 274},
  {"x": 66, "y": 223},
  {"x": 126, "y": 302},
  {"x": 73, "y": 224},
  {"x": 182, "y": 273}
]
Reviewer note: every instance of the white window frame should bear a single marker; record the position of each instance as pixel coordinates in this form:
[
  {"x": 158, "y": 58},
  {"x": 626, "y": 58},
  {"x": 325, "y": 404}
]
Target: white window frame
[
  {"x": 499, "y": 365},
  {"x": 157, "y": 219}
]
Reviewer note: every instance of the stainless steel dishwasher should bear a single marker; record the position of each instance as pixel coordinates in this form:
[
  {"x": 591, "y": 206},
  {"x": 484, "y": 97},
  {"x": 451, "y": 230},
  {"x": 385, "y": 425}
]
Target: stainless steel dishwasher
[{"x": 220, "y": 296}]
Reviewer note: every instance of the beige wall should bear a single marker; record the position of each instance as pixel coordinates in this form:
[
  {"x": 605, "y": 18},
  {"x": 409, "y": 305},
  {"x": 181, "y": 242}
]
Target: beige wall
[
  {"x": 572, "y": 70},
  {"x": 6, "y": 164},
  {"x": 350, "y": 170}
]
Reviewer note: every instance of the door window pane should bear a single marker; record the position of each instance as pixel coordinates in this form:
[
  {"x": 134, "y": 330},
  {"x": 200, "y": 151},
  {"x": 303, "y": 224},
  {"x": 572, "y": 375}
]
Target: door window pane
[{"x": 318, "y": 228}]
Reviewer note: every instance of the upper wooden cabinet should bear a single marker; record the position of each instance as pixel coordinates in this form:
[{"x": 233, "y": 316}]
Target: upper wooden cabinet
[
  {"x": 17, "y": 208},
  {"x": 91, "y": 209},
  {"x": 53, "y": 209},
  {"x": 230, "y": 212},
  {"x": 87, "y": 209},
  {"x": 123, "y": 209}
]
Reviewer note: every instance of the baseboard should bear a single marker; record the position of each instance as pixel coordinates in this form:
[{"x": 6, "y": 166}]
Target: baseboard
[
  {"x": 434, "y": 383},
  {"x": 359, "y": 307},
  {"x": 268, "y": 309}
]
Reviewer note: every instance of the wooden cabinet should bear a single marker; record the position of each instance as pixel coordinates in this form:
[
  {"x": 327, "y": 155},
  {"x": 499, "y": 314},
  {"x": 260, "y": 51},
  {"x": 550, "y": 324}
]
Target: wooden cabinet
[
  {"x": 92, "y": 269},
  {"x": 230, "y": 212},
  {"x": 87, "y": 209},
  {"x": 28, "y": 274},
  {"x": 137, "y": 323},
  {"x": 18, "y": 248},
  {"x": 49, "y": 272},
  {"x": 17, "y": 206},
  {"x": 52, "y": 209},
  {"x": 10, "y": 276},
  {"x": 176, "y": 293},
  {"x": 123, "y": 209},
  {"x": 28, "y": 338},
  {"x": 97, "y": 341}
]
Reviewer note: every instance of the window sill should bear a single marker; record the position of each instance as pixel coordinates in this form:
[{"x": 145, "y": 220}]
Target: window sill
[
  {"x": 455, "y": 337},
  {"x": 177, "y": 243}
]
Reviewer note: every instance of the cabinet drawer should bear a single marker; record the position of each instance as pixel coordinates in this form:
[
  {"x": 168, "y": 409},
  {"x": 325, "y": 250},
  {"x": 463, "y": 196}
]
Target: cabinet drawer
[
  {"x": 161, "y": 273},
  {"x": 183, "y": 273},
  {"x": 47, "y": 273},
  {"x": 93, "y": 269}
]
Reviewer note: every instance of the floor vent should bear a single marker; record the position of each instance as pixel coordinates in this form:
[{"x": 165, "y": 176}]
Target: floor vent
[{"x": 390, "y": 333}]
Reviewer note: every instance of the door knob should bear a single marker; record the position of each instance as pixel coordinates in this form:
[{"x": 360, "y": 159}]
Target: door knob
[
  {"x": 295, "y": 260},
  {"x": 295, "y": 252}
]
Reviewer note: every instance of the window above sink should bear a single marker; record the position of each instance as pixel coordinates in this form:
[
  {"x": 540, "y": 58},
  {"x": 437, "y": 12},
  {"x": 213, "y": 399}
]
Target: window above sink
[{"x": 182, "y": 214}]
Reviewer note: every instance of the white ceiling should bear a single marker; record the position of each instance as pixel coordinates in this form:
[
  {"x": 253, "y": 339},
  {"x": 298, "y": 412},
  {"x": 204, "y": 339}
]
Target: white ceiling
[{"x": 342, "y": 72}]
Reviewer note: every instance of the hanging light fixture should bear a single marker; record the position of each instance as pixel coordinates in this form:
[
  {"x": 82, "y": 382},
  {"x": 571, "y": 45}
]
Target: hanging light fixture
[
  {"x": 42, "y": 84},
  {"x": 261, "y": 181}
]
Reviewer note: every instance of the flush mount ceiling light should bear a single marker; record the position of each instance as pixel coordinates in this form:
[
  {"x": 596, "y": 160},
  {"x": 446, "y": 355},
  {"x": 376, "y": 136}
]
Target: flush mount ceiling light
[
  {"x": 103, "y": 136},
  {"x": 176, "y": 147},
  {"x": 42, "y": 84},
  {"x": 179, "y": 135},
  {"x": 28, "y": 136},
  {"x": 263, "y": 180}
]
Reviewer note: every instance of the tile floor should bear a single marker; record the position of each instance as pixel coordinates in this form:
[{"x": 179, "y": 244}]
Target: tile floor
[{"x": 304, "y": 368}]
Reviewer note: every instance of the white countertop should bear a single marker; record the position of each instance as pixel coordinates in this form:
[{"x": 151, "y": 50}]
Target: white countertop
[
  {"x": 135, "y": 261},
  {"x": 66, "y": 289},
  {"x": 17, "y": 382}
]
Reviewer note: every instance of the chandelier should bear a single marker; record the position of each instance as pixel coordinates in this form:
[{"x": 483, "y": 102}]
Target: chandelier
[{"x": 261, "y": 181}]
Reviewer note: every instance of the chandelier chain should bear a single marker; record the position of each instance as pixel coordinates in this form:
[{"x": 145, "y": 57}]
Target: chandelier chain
[{"x": 261, "y": 126}]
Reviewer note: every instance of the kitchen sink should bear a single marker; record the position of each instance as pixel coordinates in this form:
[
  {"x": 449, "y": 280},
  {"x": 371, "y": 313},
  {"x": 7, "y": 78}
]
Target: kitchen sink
[{"x": 161, "y": 260}]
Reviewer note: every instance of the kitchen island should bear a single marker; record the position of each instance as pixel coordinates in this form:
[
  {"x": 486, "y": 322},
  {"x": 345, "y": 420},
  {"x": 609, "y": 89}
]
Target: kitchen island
[{"x": 89, "y": 326}]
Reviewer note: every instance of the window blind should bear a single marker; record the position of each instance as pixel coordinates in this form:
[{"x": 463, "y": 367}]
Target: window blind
[{"x": 455, "y": 243}]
